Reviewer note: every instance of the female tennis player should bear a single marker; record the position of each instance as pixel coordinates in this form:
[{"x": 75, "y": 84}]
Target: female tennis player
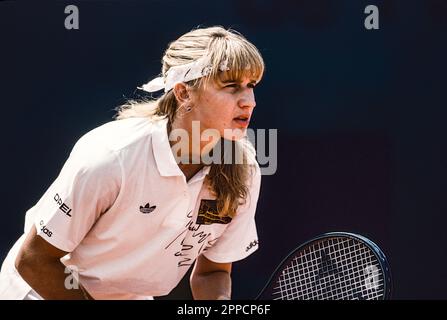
[{"x": 142, "y": 198}]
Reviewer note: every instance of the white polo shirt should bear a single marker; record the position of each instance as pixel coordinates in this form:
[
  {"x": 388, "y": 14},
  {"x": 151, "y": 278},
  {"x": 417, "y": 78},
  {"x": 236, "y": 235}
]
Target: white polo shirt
[{"x": 132, "y": 224}]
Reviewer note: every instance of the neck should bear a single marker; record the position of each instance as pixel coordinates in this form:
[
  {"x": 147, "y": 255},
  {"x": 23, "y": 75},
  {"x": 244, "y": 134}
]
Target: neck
[{"x": 188, "y": 144}]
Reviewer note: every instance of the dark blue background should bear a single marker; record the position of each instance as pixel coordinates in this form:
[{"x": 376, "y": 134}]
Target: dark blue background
[{"x": 360, "y": 115}]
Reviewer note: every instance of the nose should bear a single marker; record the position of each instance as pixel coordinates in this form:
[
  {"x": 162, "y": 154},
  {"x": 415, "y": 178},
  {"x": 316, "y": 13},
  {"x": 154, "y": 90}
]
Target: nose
[{"x": 247, "y": 99}]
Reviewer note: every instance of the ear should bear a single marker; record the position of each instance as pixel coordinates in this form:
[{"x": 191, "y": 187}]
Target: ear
[{"x": 181, "y": 93}]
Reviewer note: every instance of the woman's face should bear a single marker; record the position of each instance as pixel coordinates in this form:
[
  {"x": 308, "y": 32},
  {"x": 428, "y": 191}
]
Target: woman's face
[{"x": 225, "y": 105}]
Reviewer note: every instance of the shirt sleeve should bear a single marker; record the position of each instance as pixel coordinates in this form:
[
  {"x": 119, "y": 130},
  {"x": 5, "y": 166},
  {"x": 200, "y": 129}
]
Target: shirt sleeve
[
  {"x": 86, "y": 187},
  {"x": 240, "y": 238}
]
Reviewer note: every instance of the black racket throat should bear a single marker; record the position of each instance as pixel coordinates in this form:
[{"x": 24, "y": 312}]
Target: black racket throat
[{"x": 332, "y": 266}]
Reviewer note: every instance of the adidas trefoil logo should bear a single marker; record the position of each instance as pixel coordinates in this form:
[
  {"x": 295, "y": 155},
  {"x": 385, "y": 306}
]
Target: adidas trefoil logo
[{"x": 147, "y": 208}]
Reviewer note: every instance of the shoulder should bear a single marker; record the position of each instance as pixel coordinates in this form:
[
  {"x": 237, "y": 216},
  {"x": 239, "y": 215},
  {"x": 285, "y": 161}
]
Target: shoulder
[
  {"x": 118, "y": 134},
  {"x": 254, "y": 181},
  {"x": 101, "y": 147},
  {"x": 123, "y": 137}
]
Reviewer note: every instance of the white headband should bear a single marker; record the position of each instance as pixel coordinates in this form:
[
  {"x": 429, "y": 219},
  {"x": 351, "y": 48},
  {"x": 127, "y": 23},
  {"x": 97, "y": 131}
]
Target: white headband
[{"x": 183, "y": 73}]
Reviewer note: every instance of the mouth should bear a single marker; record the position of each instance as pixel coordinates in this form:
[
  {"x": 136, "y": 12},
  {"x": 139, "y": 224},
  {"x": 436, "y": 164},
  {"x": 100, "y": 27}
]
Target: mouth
[{"x": 242, "y": 120}]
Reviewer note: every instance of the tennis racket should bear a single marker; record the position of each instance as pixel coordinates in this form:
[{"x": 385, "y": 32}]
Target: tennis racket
[{"x": 332, "y": 266}]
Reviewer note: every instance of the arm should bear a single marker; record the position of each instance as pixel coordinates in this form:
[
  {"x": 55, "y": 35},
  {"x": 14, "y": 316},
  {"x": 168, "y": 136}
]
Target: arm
[
  {"x": 211, "y": 280},
  {"x": 38, "y": 262}
]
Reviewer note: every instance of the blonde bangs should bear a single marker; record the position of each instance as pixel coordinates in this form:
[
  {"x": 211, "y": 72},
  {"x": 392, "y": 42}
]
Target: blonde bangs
[{"x": 238, "y": 55}]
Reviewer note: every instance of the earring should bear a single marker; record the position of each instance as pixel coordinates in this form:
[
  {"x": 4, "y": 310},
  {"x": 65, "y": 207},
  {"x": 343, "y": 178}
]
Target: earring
[{"x": 183, "y": 110}]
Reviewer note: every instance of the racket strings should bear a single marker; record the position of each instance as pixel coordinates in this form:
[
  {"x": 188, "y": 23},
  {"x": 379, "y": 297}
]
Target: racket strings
[
  {"x": 336, "y": 268},
  {"x": 325, "y": 279}
]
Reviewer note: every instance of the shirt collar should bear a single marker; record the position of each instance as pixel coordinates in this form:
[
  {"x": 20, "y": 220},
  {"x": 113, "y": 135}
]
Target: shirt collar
[
  {"x": 200, "y": 175},
  {"x": 166, "y": 164}
]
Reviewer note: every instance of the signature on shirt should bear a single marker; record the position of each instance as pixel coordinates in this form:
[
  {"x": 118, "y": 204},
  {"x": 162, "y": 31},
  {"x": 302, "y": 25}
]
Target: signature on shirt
[{"x": 193, "y": 242}]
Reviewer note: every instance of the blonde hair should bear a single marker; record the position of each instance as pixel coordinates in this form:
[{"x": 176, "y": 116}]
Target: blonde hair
[{"x": 229, "y": 182}]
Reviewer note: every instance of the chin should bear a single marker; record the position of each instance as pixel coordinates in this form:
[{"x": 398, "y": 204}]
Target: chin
[{"x": 234, "y": 134}]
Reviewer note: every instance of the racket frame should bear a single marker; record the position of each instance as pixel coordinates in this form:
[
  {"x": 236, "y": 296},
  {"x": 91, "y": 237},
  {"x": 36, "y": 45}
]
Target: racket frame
[{"x": 381, "y": 258}]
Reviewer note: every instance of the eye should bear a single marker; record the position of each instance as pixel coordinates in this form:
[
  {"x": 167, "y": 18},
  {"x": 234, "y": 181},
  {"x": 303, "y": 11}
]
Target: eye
[
  {"x": 251, "y": 85},
  {"x": 232, "y": 85}
]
